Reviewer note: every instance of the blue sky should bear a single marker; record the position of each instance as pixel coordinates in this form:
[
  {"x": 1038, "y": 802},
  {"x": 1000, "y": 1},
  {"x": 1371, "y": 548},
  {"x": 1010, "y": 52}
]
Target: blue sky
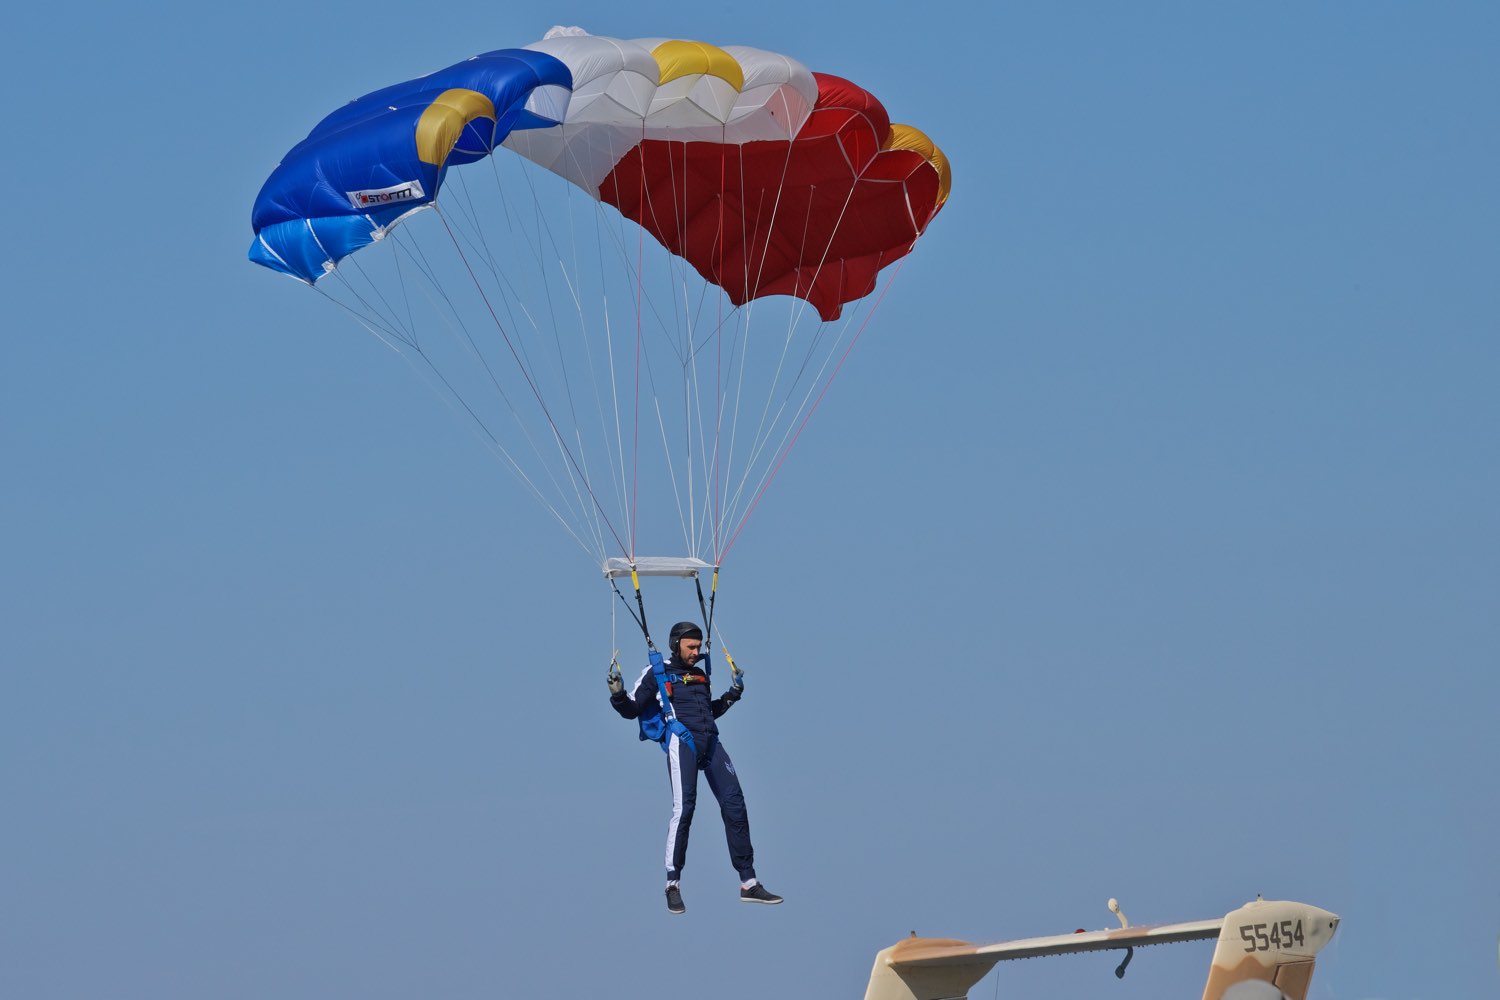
[{"x": 1146, "y": 547}]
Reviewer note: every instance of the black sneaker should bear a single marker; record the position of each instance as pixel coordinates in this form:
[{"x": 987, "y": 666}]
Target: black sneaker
[
  {"x": 758, "y": 893},
  {"x": 674, "y": 900}
]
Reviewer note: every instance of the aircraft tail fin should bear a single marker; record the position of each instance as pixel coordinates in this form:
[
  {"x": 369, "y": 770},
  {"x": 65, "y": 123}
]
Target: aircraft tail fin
[{"x": 1268, "y": 942}]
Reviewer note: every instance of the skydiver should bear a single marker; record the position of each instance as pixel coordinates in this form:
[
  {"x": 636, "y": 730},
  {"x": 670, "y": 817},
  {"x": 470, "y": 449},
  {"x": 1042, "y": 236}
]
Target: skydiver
[{"x": 682, "y": 721}]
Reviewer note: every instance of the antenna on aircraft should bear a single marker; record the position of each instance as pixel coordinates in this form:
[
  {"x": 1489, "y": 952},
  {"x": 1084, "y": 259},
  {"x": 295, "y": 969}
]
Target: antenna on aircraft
[{"x": 1114, "y": 907}]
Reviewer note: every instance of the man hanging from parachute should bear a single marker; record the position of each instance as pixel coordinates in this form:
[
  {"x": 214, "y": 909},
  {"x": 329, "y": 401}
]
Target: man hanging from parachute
[
  {"x": 766, "y": 187},
  {"x": 673, "y": 703}
]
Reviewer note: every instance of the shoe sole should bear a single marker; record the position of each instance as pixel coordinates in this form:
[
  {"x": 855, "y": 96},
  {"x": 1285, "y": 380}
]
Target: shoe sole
[{"x": 767, "y": 902}]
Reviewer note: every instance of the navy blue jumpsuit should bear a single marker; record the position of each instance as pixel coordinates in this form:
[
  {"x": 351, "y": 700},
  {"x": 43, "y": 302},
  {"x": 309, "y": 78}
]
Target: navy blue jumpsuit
[{"x": 695, "y": 709}]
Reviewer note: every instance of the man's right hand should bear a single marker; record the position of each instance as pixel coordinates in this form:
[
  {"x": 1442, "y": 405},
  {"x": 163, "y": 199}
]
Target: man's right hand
[{"x": 616, "y": 685}]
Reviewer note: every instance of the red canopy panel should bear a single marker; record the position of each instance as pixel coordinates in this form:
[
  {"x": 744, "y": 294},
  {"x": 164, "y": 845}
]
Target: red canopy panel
[{"x": 816, "y": 218}]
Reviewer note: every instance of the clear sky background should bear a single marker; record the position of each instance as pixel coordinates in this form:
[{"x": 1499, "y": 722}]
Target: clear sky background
[{"x": 1146, "y": 548}]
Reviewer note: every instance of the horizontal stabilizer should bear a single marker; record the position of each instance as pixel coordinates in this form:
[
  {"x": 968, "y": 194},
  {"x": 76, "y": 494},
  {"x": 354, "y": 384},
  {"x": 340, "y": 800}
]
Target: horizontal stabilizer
[
  {"x": 943, "y": 969},
  {"x": 1058, "y": 944}
]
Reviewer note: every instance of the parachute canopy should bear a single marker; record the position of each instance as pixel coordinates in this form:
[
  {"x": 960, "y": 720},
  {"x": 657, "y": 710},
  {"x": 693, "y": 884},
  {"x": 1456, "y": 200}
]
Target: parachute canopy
[
  {"x": 654, "y": 261},
  {"x": 767, "y": 178}
]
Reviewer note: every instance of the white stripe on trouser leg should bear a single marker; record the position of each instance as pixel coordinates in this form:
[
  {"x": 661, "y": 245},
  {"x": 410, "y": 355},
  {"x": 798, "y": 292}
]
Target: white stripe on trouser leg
[{"x": 673, "y": 744}]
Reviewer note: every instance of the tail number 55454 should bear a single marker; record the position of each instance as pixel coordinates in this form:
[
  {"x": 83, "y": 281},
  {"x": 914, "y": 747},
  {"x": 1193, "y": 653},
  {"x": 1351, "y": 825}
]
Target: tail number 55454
[{"x": 1271, "y": 937}]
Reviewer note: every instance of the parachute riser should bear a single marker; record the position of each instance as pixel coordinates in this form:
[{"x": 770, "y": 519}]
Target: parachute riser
[
  {"x": 705, "y": 607},
  {"x": 635, "y": 581},
  {"x": 640, "y": 619},
  {"x": 707, "y": 611}
]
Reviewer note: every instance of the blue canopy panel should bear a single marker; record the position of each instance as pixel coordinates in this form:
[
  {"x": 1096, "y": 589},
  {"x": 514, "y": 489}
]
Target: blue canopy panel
[{"x": 384, "y": 155}]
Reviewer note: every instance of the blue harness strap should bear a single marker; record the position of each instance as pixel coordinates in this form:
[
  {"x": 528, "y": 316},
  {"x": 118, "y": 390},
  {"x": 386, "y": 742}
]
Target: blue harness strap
[{"x": 662, "y": 725}]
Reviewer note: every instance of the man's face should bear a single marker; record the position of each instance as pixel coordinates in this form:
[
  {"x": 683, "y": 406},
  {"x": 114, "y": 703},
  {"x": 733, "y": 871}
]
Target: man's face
[{"x": 689, "y": 649}]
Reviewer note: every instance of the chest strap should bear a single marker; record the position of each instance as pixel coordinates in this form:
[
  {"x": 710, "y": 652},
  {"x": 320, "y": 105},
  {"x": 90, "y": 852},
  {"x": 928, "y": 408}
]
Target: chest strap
[{"x": 670, "y": 726}]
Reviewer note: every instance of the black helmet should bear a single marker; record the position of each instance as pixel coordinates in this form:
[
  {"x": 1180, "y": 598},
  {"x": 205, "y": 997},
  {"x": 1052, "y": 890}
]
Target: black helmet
[{"x": 680, "y": 631}]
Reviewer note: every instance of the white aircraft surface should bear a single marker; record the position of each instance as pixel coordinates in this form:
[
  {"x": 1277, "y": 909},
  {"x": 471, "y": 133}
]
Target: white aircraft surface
[{"x": 1266, "y": 950}]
